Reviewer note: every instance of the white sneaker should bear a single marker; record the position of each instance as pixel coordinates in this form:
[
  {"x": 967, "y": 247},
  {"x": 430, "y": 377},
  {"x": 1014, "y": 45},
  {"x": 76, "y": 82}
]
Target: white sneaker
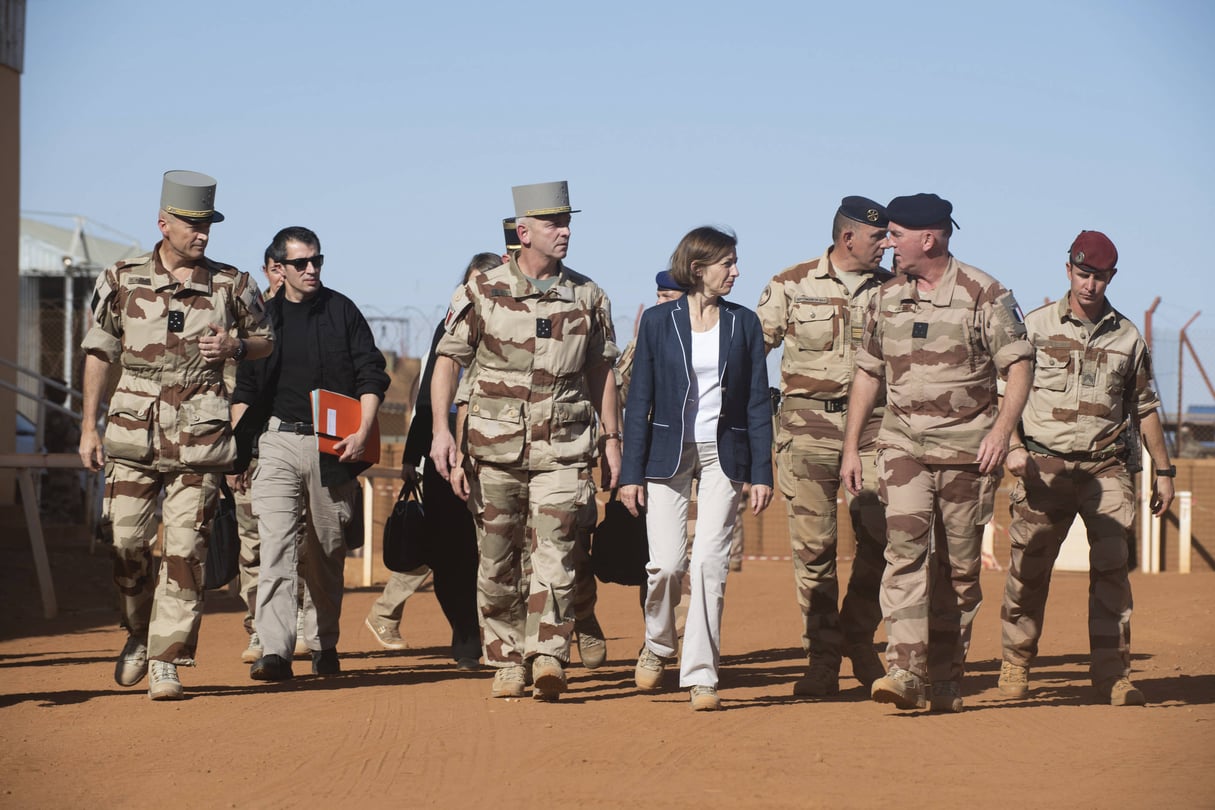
[
  {"x": 301, "y": 644},
  {"x": 253, "y": 651},
  {"x": 163, "y": 683}
]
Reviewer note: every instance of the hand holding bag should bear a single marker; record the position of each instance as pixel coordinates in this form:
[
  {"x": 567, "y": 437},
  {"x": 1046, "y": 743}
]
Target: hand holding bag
[
  {"x": 405, "y": 532},
  {"x": 620, "y": 549}
]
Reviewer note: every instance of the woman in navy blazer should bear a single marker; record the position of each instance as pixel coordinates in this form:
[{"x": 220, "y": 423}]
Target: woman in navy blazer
[{"x": 698, "y": 408}]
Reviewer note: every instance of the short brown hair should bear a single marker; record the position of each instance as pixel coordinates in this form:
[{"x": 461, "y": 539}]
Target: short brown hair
[{"x": 703, "y": 245}]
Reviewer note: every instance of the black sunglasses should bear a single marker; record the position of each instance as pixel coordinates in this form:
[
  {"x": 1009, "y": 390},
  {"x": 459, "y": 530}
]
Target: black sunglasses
[{"x": 318, "y": 261}]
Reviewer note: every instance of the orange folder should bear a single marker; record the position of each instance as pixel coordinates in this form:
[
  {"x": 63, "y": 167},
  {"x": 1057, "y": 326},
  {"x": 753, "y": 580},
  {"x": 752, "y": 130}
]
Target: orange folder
[{"x": 335, "y": 416}]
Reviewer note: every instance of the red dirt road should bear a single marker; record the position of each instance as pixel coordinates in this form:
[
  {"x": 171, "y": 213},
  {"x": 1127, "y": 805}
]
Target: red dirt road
[{"x": 407, "y": 729}]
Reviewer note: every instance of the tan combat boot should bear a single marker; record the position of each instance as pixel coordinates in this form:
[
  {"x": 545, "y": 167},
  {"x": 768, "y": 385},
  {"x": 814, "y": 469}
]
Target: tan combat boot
[{"x": 1014, "y": 680}]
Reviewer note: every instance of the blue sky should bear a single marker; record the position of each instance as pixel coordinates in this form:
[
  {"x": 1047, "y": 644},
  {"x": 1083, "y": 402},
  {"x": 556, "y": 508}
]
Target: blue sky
[{"x": 396, "y": 130}]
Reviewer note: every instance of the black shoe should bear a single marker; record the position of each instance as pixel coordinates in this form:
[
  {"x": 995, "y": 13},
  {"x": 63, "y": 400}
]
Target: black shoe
[
  {"x": 467, "y": 664},
  {"x": 270, "y": 668},
  {"x": 325, "y": 662}
]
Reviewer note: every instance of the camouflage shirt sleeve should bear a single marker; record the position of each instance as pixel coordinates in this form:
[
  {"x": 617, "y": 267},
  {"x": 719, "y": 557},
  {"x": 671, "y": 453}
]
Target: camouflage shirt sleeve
[
  {"x": 1004, "y": 329},
  {"x": 461, "y": 328},
  {"x": 603, "y": 339},
  {"x": 1146, "y": 399},
  {"x": 773, "y": 314},
  {"x": 869, "y": 356},
  {"x": 104, "y": 338},
  {"x": 250, "y": 316}
]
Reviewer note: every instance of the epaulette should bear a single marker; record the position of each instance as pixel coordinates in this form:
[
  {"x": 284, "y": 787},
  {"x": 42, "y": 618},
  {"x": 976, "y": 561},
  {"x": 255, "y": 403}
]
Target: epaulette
[
  {"x": 576, "y": 278},
  {"x": 220, "y": 267}
]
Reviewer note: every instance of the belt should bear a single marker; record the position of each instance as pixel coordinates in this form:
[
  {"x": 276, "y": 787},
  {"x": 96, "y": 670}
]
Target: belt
[
  {"x": 302, "y": 428},
  {"x": 829, "y": 405},
  {"x": 1043, "y": 450}
]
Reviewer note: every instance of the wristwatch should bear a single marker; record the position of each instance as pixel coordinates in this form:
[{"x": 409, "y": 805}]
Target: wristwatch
[
  {"x": 241, "y": 351},
  {"x": 1171, "y": 472}
]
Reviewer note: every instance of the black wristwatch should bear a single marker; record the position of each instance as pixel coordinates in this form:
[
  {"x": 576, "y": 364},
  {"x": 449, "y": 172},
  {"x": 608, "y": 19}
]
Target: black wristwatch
[
  {"x": 241, "y": 351},
  {"x": 1171, "y": 472}
]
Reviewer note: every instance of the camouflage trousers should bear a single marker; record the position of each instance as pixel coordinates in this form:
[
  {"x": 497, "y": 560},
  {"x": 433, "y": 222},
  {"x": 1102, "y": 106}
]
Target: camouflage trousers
[
  {"x": 167, "y": 609},
  {"x": 808, "y": 474},
  {"x": 930, "y": 592},
  {"x": 537, "y": 512},
  {"x": 1043, "y": 508},
  {"x": 586, "y": 587}
]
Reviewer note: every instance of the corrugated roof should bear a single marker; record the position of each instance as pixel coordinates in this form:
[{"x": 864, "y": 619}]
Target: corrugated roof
[{"x": 43, "y": 246}]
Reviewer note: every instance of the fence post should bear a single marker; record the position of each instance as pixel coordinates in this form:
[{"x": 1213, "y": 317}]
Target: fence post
[{"x": 1184, "y": 523}]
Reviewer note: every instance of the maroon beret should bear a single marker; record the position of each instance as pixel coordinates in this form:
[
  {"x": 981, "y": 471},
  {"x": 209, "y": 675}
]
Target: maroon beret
[{"x": 1093, "y": 250}]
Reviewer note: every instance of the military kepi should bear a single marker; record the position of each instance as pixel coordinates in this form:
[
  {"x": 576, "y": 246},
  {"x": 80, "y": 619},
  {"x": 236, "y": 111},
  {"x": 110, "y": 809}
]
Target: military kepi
[
  {"x": 920, "y": 211},
  {"x": 542, "y": 199},
  {"x": 189, "y": 195},
  {"x": 1093, "y": 250},
  {"x": 863, "y": 209},
  {"x": 511, "y": 233}
]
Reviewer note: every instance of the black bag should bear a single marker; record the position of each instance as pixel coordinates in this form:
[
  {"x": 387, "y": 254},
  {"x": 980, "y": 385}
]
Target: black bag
[
  {"x": 620, "y": 549},
  {"x": 405, "y": 533},
  {"x": 223, "y": 548}
]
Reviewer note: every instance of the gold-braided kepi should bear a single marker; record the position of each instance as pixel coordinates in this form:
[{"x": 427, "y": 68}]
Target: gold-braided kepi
[
  {"x": 542, "y": 199},
  {"x": 189, "y": 195}
]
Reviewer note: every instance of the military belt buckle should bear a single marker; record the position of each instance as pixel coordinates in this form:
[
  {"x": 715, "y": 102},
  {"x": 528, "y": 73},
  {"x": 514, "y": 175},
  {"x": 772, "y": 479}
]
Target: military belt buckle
[{"x": 835, "y": 405}]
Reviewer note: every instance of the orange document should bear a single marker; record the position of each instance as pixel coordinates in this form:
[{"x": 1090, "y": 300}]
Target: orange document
[{"x": 335, "y": 416}]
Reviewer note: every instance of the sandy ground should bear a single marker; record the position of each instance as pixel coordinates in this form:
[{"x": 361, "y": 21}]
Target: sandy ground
[{"x": 408, "y": 729}]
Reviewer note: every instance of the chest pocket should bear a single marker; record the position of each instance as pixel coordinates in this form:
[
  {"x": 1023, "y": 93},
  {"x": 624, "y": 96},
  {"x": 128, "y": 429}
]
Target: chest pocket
[
  {"x": 1115, "y": 368},
  {"x": 495, "y": 430},
  {"x": 816, "y": 325},
  {"x": 1051, "y": 373}
]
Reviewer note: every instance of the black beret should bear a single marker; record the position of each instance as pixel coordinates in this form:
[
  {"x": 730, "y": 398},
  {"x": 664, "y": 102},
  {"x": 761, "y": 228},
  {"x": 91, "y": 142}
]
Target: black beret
[
  {"x": 919, "y": 210},
  {"x": 863, "y": 209}
]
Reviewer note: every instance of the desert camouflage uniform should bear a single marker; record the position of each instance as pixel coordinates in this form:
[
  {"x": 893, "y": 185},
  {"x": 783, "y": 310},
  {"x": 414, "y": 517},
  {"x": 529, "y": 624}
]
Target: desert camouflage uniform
[
  {"x": 810, "y": 310},
  {"x": 1088, "y": 379},
  {"x": 531, "y": 436},
  {"x": 939, "y": 355},
  {"x": 167, "y": 428}
]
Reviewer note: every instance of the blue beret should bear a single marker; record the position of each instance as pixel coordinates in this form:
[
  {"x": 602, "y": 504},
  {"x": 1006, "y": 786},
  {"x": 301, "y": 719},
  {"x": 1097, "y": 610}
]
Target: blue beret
[
  {"x": 919, "y": 210},
  {"x": 863, "y": 209},
  {"x": 666, "y": 281}
]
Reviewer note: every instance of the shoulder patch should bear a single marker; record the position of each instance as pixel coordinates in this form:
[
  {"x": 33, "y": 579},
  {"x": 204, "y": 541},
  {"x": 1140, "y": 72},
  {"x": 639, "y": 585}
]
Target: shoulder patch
[{"x": 766, "y": 296}]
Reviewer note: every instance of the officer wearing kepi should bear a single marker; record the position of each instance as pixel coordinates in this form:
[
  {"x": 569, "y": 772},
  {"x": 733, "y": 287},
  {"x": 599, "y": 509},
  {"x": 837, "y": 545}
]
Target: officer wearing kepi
[
  {"x": 817, "y": 309},
  {"x": 1092, "y": 373},
  {"x": 936, "y": 337},
  {"x": 172, "y": 318},
  {"x": 537, "y": 342}
]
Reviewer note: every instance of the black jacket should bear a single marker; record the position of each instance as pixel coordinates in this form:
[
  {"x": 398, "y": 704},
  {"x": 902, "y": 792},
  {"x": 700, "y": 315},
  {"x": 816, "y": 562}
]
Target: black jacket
[
  {"x": 421, "y": 427},
  {"x": 342, "y": 348}
]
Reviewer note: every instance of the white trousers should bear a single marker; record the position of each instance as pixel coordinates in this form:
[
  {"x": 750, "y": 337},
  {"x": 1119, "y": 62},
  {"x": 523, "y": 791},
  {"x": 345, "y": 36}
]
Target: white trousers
[{"x": 667, "y": 525}]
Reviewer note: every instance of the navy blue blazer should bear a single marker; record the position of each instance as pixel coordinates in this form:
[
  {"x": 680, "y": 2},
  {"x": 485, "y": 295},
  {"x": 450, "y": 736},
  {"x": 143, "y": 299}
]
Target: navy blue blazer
[{"x": 654, "y": 429}]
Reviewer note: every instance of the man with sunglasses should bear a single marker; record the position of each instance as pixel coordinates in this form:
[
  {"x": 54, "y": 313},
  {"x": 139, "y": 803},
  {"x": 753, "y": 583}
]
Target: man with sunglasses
[
  {"x": 172, "y": 318},
  {"x": 323, "y": 341}
]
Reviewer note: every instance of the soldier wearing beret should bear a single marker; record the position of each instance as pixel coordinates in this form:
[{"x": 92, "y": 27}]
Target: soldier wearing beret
[
  {"x": 172, "y": 318},
  {"x": 817, "y": 309},
  {"x": 1092, "y": 374},
  {"x": 537, "y": 342},
  {"x": 936, "y": 338}
]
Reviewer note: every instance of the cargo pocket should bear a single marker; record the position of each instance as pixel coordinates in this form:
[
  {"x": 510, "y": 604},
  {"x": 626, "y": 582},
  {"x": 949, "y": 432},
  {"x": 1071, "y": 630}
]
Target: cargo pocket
[
  {"x": 572, "y": 437},
  {"x": 495, "y": 431},
  {"x": 128, "y": 430},
  {"x": 206, "y": 433},
  {"x": 986, "y": 506}
]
